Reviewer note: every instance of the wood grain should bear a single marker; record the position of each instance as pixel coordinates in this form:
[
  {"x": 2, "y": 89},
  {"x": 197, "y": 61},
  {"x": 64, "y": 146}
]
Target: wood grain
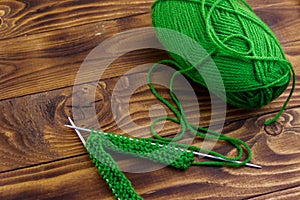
[
  {"x": 53, "y": 59},
  {"x": 281, "y": 164},
  {"x": 28, "y": 17},
  {"x": 38, "y": 61},
  {"x": 32, "y": 126},
  {"x": 43, "y": 44}
]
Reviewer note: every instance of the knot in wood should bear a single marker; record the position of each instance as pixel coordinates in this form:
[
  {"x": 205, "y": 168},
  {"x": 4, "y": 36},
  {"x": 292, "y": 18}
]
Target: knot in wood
[{"x": 274, "y": 129}]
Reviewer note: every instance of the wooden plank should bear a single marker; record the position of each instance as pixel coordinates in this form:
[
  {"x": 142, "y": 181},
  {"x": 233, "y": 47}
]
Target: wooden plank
[
  {"x": 48, "y": 59},
  {"x": 32, "y": 128},
  {"x": 66, "y": 179},
  {"x": 28, "y": 17},
  {"x": 41, "y": 48},
  {"x": 76, "y": 177},
  {"x": 53, "y": 59}
]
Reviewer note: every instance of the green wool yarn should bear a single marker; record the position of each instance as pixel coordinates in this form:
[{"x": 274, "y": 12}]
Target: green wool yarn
[{"x": 246, "y": 52}]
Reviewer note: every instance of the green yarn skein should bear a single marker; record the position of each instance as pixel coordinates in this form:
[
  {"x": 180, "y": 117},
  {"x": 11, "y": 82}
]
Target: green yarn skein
[{"x": 246, "y": 52}]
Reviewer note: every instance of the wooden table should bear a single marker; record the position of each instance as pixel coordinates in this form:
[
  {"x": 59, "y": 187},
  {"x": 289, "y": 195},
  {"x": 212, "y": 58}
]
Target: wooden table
[{"x": 42, "y": 46}]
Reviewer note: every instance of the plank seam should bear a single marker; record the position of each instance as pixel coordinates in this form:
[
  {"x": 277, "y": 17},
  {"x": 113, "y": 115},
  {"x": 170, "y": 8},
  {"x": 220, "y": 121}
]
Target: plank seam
[
  {"x": 275, "y": 191},
  {"x": 43, "y": 163}
]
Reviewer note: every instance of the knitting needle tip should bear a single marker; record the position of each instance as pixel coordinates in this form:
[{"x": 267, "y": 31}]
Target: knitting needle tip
[{"x": 76, "y": 130}]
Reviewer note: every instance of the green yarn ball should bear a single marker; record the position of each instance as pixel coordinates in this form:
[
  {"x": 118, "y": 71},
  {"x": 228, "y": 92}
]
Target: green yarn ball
[{"x": 246, "y": 52}]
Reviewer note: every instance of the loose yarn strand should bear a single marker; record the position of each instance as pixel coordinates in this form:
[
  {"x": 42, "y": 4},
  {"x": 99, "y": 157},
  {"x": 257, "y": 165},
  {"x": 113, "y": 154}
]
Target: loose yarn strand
[
  {"x": 198, "y": 131},
  {"x": 286, "y": 101}
]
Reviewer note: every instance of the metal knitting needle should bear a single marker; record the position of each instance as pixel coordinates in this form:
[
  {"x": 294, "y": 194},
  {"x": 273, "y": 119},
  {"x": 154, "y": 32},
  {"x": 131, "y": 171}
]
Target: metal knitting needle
[{"x": 77, "y": 129}]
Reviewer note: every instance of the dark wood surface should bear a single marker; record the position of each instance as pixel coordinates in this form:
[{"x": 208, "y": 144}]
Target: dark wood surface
[{"x": 43, "y": 44}]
